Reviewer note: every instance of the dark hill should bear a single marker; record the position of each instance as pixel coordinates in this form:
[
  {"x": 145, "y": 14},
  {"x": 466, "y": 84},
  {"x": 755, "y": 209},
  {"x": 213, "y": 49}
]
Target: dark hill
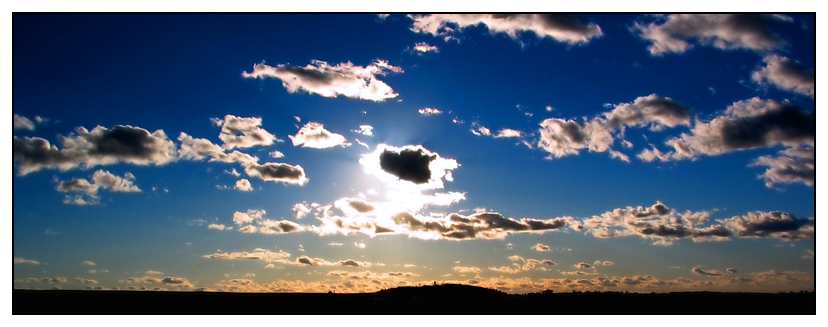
[{"x": 433, "y": 299}]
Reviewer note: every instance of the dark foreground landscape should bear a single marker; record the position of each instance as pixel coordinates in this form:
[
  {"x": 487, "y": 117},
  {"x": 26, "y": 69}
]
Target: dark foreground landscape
[{"x": 439, "y": 299}]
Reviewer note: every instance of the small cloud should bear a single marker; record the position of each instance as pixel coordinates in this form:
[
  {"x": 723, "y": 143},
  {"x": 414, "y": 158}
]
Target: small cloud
[
  {"x": 506, "y": 132},
  {"x": 88, "y": 263},
  {"x": 314, "y": 135},
  {"x": 366, "y": 130},
  {"x": 360, "y": 245},
  {"x": 276, "y": 154},
  {"x": 24, "y": 261},
  {"x": 541, "y": 247},
  {"x": 480, "y": 130},
  {"x": 20, "y": 122},
  {"x": 429, "y": 111},
  {"x": 422, "y": 48},
  {"x": 243, "y": 185}
]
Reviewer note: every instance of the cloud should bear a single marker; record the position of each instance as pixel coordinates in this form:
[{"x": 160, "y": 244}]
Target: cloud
[
  {"x": 584, "y": 265},
  {"x": 561, "y": 137},
  {"x": 654, "y": 110},
  {"x": 86, "y": 281},
  {"x": 243, "y": 185},
  {"x": 243, "y": 132},
  {"x": 253, "y": 221},
  {"x": 25, "y": 261},
  {"x": 357, "y": 205},
  {"x": 699, "y": 271},
  {"x": 218, "y": 226},
  {"x": 101, "y": 180},
  {"x": 366, "y": 130},
  {"x": 360, "y": 245},
  {"x": 747, "y": 124},
  {"x": 314, "y": 135},
  {"x": 467, "y": 270},
  {"x": 793, "y": 165},
  {"x": 257, "y": 254},
  {"x": 664, "y": 225},
  {"x": 480, "y": 130},
  {"x": 732, "y": 270},
  {"x": 541, "y": 247},
  {"x": 724, "y": 31},
  {"x": 507, "y": 132},
  {"x": 277, "y": 172},
  {"x": 602, "y": 263},
  {"x": 774, "y": 224},
  {"x": 100, "y": 146},
  {"x": 429, "y": 111},
  {"x": 566, "y": 28},
  {"x": 410, "y": 163},
  {"x": 88, "y": 263},
  {"x": 331, "y": 81},
  {"x": 787, "y": 75},
  {"x": 276, "y": 154},
  {"x": 20, "y": 122},
  {"x": 422, "y": 47},
  {"x": 303, "y": 209},
  {"x": 198, "y": 149}
]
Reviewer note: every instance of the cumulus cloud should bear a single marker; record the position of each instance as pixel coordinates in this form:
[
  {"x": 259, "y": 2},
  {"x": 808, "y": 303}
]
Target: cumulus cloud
[
  {"x": 664, "y": 225},
  {"x": 314, "y": 135},
  {"x": 541, "y": 247},
  {"x": 467, "y": 270},
  {"x": 257, "y": 254},
  {"x": 331, "y": 81},
  {"x": 276, "y": 154},
  {"x": 562, "y": 137},
  {"x": 253, "y": 221},
  {"x": 787, "y": 75},
  {"x": 101, "y": 180},
  {"x": 100, "y": 146},
  {"x": 792, "y": 165},
  {"x": 422, "y": 47},
  {"x": 774, "y": 224},
  {"x": 583, "y": 265},
  {"x": 88, "y": 263},
  {"x": 507, "y": 132},
  {"x": 243, "y": 132},
  {"x": 675, "y": 33},
  {"x": 747, "y": 124},
  {"x": 566, "y": 28},
  {"x": 20, "y": 122},
  {"x": 277, "y": 172},
  {"x": 197, "y": 149},
  {"x": 410, "y": 163},
  {"x": 700, "y": 271},
  {"x": 243, "y": 185},
  {"x": 429, "y": 111},
  {"x": 24, "y": 261}
]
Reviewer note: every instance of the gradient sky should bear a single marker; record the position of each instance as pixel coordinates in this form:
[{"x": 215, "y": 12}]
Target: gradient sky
[{"x": 308, "y": 153}]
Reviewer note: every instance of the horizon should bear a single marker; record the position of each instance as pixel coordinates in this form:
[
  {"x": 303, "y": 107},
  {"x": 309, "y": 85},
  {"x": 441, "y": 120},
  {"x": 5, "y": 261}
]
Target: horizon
[{"x": 359, "y": 152}]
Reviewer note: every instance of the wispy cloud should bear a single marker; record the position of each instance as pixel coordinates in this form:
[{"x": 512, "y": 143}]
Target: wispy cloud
[
  {"x": 566, "y": 28},
  {"x": 331, "y": 81}
]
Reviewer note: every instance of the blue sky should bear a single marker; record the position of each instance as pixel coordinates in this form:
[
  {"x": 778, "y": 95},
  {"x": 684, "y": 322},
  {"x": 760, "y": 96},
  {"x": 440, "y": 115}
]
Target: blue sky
[{"x": 360, "y": 152}]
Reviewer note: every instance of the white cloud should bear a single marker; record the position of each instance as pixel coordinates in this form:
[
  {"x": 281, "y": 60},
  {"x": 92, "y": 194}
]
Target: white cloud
[
  {"x": 20, "y": 122},
  {"x": 422, "y": 47},
  {"x": 507, "y": 132},
  {"x": 429, "y": 111},
  {"x": 792, "y": 165},
  {"x": 787, "y": 75},
  {"x": 88, "y": 263},
  {"x": 331, "y": 81},
  {"x": 314, "y": 135},
  {"x": 480, "y": 130},
  {"x": 366, "y": 130},
  {"x": 25, "y": 261},
  {"x": 101, "y": 180},
  {"x": 277, "y": 172},
  {"x": 243, "y": 132},
  {"x": 566, "y": 28},
  {"x": 276, "y": 154},
  {"x": 541, "y": 247},
  {"x": 243, "y": 185},
  {"x": 724, "y": 31}
]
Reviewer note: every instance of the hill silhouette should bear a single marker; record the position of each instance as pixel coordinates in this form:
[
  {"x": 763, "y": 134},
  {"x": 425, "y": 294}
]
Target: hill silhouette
[{"x": 454, "y": 299}]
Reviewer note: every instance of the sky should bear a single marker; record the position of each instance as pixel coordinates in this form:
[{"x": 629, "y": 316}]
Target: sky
[{"x": 359, "y": 152}]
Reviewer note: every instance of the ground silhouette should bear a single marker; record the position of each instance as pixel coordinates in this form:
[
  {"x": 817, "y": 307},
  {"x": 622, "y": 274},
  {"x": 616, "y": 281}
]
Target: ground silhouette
[{"x": 454, "y": 299}]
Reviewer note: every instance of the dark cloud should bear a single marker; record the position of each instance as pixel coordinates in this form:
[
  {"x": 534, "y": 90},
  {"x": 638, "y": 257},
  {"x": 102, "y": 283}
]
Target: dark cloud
[
  {"x": 787, "y": 75},
  {"x": 277, "y": 172},
  {"x": 772, "y": 224},
  {"x": 744, "y": 125},
  {"x": 331, "y": 81},
  {"x": 724, "y": 31},
  {"x": 408, "y": 164},
  {"x": 100, "y": 146},
  {"x": 652, "y": 109},
  {"x": 566, "y": 28},
  {"x": 699, "y": 271}
]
